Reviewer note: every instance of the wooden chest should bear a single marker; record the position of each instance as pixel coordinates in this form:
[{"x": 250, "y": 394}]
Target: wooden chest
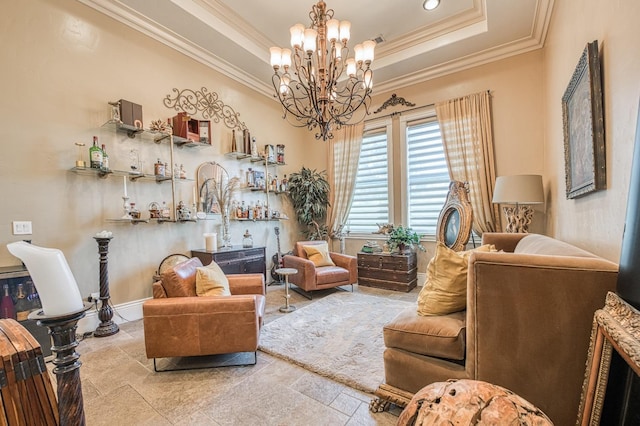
[{"x": 389, "y": 271}]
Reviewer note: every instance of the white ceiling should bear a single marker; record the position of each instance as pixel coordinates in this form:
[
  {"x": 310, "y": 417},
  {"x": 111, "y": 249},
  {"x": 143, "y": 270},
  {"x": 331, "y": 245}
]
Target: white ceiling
[{"x": 234, "y": 36}]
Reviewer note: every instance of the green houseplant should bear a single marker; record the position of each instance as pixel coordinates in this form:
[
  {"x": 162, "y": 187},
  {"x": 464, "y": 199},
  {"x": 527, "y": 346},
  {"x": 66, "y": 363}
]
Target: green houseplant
[
  {"x": 309, "y": 193},
  {"x": 402, "y": 238}
]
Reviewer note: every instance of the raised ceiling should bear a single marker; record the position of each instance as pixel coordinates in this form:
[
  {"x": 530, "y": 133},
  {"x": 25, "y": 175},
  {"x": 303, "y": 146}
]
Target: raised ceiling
[{"x": 234, "y": 36}]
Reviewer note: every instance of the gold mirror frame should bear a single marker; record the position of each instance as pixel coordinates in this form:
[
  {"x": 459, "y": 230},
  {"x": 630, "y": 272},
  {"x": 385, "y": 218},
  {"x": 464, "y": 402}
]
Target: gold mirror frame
[
  {"x": 616, "y": 326},
  {"x": 457, "y": 202}
]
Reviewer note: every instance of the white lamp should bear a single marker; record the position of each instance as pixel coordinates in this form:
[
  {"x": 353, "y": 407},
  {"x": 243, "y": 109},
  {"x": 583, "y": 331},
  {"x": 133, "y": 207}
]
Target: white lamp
[
  {"x": 52, "y": 277},
  {"x": 521, "y": 190}
]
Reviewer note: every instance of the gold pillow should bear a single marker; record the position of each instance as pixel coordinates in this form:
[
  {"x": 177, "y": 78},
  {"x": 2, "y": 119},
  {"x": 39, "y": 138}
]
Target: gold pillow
[
  {"x": 445, "y": 290},
  {"x": 319, "y": 254},
  {"x": 211, "y": 281}
]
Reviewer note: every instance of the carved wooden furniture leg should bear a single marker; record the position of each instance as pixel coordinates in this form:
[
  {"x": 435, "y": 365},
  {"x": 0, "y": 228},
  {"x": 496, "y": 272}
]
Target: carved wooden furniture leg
[{"x": 387, "y": 395}]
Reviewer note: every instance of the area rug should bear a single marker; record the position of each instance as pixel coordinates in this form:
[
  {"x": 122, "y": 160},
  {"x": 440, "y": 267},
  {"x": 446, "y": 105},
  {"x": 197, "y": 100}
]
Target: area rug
[{"x": 339, "y": 337}]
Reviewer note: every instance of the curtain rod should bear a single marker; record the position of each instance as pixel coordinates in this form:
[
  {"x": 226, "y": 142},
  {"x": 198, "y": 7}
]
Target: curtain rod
[{"x": 392, "y": 114}]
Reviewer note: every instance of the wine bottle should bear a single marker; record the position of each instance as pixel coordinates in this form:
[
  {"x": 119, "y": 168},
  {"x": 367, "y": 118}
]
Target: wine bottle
[
  {"x": 33, "y": 297},
  {"x": 105, "y": 158},
  {"x": 7, "y": 310},
  {"x": 95, "y": 154},
  {"x": 22, "y": 304}
]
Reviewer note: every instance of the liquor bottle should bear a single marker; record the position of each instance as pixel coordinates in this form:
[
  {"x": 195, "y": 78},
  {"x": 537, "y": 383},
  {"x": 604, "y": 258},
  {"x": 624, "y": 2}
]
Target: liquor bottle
[
  {"x": 95, "y": 154},
  {"x": 33, "y": 297},
  {"x": 22, "y": 304},
  {"x": 158, "y": 169},
  {"x": 234, "y": 145},
  {"x": 7, "y": 310},
  {"x": 105, "y": 158}
]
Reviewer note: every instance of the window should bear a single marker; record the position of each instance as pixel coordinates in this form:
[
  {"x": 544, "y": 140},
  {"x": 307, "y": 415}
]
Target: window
[
  {"x": 427, "y": 176},
  {"x": 370, "y": 203},
  {"x": 421, "y": 172}
]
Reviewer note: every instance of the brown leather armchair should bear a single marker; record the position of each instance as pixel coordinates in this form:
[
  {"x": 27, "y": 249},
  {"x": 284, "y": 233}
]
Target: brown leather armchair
[
  {"x": 178, "y": 323},
  {"x": 310, "y": 278}
]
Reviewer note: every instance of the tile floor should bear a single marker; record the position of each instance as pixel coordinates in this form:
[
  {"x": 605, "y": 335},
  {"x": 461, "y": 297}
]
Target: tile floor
[{"x": 121, "y": 388}]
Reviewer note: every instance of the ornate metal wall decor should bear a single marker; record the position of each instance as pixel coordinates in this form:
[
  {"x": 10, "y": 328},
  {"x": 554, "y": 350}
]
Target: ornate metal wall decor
[
  {"x": 393, "y": 101},
  {"x": 207, "y": 104}
]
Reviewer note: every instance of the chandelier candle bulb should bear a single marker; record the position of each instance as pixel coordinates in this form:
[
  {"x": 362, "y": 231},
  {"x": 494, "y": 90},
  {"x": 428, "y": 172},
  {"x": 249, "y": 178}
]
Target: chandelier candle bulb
[
  {"x": 333, "y": 29},
  {"x": 309, "y": 43},
  {"x": 345, "y": 31},
  {"x": 286, "y": 59},
  {"x": 276, "y": 57},
  {"x": 297, "y": 35}
]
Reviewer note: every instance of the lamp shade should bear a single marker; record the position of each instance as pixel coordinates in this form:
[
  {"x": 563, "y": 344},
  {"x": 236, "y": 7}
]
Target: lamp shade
[
  {"x": 518, "y": 189},
  {"x": 52, "y": 277}
]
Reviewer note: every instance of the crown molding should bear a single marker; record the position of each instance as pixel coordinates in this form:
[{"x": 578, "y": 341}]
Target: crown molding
[
  {"x": 473, "y": 19},
  {"x": 532, "y": 42},
  {"x": 124, "y": 14},
  {"x": 451, "y": 29}
]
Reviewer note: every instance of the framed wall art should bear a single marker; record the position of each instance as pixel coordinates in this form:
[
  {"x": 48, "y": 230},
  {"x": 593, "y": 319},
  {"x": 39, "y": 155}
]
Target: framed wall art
[
  {"x": 616, "y": 327},
  {"x": 583, "y": 120}
]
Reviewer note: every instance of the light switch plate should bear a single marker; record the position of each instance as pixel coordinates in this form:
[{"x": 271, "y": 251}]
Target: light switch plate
[{"x": 22, "y": 227}]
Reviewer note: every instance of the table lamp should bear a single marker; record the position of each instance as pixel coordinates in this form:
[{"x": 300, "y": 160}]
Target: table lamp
[
  {"x": 523, "y": 191},
  {"x": 62, "y": 307}
]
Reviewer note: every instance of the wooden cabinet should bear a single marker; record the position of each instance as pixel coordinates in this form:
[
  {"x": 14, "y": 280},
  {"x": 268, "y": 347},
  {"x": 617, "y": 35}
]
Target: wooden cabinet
[
  {"x": 235, "y": 260},
  {"x": 389, "y": 271},
  {"x": 12, "y": 276}
]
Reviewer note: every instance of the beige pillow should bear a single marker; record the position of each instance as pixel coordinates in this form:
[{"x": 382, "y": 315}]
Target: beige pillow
[
  {"x": 319, "y": 254},
  {"x": 445, "y": 290},
  {"x": 211, "y": 281}
]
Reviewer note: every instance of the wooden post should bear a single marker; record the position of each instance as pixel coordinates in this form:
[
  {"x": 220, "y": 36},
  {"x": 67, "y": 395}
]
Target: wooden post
[
  {"x": 107, "y": 327},
  {"x": 67, "y": 364}
]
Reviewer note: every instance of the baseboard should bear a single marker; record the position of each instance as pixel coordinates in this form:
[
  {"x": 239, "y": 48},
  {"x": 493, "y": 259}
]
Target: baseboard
[{"x": 122, "y": 313}]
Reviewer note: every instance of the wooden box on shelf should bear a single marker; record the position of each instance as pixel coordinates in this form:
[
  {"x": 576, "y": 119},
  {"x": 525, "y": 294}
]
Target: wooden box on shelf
[
  {"x": 388, "y": 271},
  {"x": 189, "y": 128}
]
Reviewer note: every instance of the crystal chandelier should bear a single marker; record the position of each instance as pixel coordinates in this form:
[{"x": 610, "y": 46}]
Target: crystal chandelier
[{"x": 317, "y": 83}]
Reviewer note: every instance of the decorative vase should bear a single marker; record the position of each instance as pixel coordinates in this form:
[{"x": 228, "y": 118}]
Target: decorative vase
[{"x": 226, "y": 236}]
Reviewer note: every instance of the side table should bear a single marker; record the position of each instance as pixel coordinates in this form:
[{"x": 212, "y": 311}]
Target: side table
[
  {"x": 286, "y": 272},
  {"x": 390, "y": 271}
]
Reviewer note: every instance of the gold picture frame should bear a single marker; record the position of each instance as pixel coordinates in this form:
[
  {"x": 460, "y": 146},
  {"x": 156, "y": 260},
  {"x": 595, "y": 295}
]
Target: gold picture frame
[
  {"x": 615, "y": 327},
  {"x": 583, "y": 122}
]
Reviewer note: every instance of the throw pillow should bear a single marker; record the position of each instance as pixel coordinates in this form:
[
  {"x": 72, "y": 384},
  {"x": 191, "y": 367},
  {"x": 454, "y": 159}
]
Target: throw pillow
[
  {"x": 319, "y": 254},
  {"x": 211, "y": 281},
  {"x": 445, "y": 290}
]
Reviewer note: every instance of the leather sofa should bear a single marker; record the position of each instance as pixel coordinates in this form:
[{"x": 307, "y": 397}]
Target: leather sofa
[
  {"x": 527, "y": 326},
  {"x": 188, "y": 325}
]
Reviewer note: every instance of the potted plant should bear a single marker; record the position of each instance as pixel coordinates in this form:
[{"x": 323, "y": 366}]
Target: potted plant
[
  {"x": 402, "y": 238},
  {"x": 309, "y": 193}
]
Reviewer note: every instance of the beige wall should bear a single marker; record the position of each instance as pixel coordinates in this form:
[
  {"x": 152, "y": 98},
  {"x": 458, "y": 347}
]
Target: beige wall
[
  {"x": 61, "y": 63},
  {"x": 596, "y": 221}
]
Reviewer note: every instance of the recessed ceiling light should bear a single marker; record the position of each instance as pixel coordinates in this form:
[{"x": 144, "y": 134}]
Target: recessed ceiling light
[{"x": 430, "y": 4}]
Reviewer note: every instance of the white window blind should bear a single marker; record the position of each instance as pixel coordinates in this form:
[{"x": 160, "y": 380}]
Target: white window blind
[
  {"x": 427, "y": 175},
  {"x": 371, "y": 194}
]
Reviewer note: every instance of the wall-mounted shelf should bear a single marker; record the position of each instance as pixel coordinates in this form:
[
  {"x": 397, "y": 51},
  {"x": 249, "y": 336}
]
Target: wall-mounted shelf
[{"x": 131, "y": 175}]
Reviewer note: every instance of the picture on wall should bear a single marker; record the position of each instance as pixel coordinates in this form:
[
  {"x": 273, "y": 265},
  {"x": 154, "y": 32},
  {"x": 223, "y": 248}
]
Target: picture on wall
[{"x": 582, "y": 115}]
